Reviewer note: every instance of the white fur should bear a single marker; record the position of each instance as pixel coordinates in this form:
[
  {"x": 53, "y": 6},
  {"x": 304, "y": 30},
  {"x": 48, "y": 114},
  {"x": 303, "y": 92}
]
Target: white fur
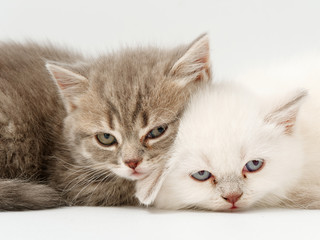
[{"x": 226, "y": 126}]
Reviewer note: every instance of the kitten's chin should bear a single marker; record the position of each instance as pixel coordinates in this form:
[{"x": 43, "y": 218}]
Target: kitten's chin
[
  {"x": 130, "y": 174},
  {"x": 137, "y": 176},
  {"x": 238, "y": 207},
  {"x": 223, "y": 207},
  {"x": 232, "y": 210}
]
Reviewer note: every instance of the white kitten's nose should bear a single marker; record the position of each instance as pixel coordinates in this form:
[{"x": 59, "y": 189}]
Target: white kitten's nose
[{"x": 232, "y": 197}]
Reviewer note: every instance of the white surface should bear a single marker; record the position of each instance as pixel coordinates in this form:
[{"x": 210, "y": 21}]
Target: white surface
[
  {"x": 129, "y": 223},
  {"x": 245, "y": 34}
]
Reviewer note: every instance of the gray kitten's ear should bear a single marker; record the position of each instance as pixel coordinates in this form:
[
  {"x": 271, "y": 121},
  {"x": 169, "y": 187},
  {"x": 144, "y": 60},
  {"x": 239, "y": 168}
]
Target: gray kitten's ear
[
  {"x": 285, "y": 113},
  {"x": 194, "y": 65},
  {"x": 148, "y": 188},
  {"x": 71, "y": 84}
]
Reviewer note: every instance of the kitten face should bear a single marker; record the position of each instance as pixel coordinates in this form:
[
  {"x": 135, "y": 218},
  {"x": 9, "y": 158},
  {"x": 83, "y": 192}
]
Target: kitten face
[
  {"x": 123, "y": 109},
  {"x": 233, "y": 152},
  {"x": 134, "y": 121}
]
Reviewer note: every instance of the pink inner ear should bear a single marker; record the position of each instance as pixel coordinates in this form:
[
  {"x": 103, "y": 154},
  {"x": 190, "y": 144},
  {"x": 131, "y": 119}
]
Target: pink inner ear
[
  {"x": 65, "y": 78},
  {"x": 288, "y": 125},
  {"x": 205, "y": 68},
  {"x": 204, "y": 59},
  {"x": 208, "y": 73},
  {"x": 64, "y": 84},
  {"x": 195, "y": 62},
  {"x": 62, "y": 80}
]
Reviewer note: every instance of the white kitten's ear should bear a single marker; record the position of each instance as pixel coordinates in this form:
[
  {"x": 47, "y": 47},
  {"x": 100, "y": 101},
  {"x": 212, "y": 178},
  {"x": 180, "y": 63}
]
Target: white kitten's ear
[
  {"x": 285, "y": 113},
  {"x": 194, "y": 65},
  {"x": 148, "y": 188},
  {"x": 71, "y": 84}
]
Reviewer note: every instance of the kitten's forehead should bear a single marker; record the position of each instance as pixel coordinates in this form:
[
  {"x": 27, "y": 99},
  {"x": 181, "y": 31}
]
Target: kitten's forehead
[
  {"x": 133, "y": 88},
  {"x": 219, "y": 163},
  {"x": 219, "y": 125},
  {"x": 222, "y": 116},
  {"x": 133, "y": 67}
]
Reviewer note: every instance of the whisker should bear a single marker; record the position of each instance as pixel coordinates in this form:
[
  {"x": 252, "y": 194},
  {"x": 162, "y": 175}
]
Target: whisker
[{"x": 89, "y": 183}]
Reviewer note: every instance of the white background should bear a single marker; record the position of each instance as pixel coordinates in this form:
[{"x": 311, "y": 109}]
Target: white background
[{"x": 245, "y": 35}]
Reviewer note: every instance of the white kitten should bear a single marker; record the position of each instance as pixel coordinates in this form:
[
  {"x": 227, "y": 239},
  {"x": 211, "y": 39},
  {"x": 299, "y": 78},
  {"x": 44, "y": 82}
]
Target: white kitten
[{"x": 236, "y": 150}]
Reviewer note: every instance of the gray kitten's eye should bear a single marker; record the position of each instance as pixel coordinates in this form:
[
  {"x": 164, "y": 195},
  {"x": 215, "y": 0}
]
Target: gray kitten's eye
[
  {"x": 157, "y": 132},
  {"x": 106, "y": 139},
  {"x": 201, "y": 175},
  {"x": 253, "y": 165}
]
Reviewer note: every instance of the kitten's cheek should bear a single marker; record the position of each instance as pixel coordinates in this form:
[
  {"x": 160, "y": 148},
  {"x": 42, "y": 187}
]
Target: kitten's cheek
[{"x": 121, "y": 172}]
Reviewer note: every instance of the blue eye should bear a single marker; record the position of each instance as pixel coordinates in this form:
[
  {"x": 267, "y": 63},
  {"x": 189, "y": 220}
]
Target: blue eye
[
  {"x": 157, "y": 132},
  {"x": 201, "y": 175},
  {"x": 253, "y": 165}
]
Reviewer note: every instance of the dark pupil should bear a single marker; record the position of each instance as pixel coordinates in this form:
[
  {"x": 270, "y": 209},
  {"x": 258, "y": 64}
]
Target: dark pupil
[
  {"x": 255, "y": 162},
  {"x": 106, "y": 135},
  {"x": 201, "y": 173},
  {"x": 160, "y": 129}
]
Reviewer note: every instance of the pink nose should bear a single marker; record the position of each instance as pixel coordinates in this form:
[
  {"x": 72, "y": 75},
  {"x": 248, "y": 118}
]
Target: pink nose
[
  {"x": 232, "y": 198},
  {"x": 133, "y": 163}
]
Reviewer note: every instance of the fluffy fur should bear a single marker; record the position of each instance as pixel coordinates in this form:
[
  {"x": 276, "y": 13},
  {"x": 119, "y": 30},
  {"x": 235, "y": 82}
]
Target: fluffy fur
[
  {"x": 226, "y": 126},
  {"x": 54, "y": 103}
]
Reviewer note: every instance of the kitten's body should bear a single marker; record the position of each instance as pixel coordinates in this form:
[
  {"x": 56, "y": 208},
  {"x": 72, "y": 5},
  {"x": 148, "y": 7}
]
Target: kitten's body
[
  {"x": 227, "y": 126},
  {"x": 49, "y": 150},
  {"x": 31, "y": 115}
]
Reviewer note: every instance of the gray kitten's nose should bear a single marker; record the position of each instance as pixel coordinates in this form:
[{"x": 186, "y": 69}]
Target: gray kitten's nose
[
  {"x": 133, "y": 163},
  {"x": 232, "y": 197}
]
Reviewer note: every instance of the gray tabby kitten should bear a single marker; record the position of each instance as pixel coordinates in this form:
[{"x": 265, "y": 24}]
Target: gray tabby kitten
[{"x": 78, "y": 131}]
